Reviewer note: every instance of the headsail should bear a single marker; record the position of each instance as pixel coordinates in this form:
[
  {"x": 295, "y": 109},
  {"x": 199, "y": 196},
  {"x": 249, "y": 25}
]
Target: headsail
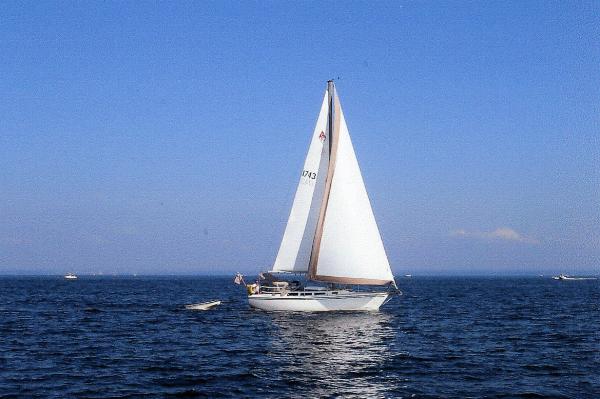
[
  {"x": 348, "y": 246},
  {"x": 294, "y": 251}
]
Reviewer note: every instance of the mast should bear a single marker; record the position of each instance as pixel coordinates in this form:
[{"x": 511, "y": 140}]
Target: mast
[{"x": 330, "y": 98}]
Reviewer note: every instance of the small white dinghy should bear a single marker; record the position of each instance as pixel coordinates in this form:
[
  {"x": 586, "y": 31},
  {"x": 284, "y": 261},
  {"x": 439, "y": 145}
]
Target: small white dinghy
[{"x": 203, "y": 305}]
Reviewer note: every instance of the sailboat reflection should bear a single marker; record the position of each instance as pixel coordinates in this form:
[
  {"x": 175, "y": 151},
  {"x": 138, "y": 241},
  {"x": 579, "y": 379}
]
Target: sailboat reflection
[{"x": 322, "y": 352}]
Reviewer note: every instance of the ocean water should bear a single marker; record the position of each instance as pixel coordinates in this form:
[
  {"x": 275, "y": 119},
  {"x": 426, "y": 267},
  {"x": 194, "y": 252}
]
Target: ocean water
[{"x": 445, "y": 337}]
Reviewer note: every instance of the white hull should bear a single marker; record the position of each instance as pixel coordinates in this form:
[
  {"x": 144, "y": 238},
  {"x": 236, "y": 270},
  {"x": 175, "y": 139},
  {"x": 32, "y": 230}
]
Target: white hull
[{"x": 363, "y": 301}]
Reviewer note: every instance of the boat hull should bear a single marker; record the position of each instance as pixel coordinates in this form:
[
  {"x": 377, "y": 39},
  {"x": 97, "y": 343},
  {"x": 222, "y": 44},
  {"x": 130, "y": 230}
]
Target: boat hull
[{"x": 351, "y": 301}]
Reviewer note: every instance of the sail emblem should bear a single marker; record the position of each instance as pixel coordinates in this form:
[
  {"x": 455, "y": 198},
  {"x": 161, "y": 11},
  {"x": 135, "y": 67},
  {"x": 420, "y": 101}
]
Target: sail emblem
[{"x": 322, "y": 136}]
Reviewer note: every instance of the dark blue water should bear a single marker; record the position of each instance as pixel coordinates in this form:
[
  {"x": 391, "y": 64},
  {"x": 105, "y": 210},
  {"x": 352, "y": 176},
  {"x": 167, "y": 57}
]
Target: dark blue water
[{"x": 445, "y": 337}]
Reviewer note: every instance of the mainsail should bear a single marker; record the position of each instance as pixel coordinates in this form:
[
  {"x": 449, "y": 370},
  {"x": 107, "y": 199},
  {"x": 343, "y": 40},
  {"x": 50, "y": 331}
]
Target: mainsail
[
  {"x": 294, "y": 251},
  {"x": 331, "y": 232}
]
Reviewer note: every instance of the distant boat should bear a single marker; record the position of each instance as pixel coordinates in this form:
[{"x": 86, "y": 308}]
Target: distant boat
[
  {"x": 565, "y": 277},
  {"x": 331, "y": 235},
  {"x": 70, "y": 276},
  {"x": 203, "y": 305},
  {"x": 408, "y": 275}
]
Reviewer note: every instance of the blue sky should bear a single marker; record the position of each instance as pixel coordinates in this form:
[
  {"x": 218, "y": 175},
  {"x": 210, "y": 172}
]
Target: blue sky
[{"x": 168, "y": 137}]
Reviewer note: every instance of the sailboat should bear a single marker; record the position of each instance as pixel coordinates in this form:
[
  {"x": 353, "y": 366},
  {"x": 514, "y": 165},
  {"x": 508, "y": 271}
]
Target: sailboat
[
  {"x": 331, "y": 236},
  {"x": 565, "y": 277}
]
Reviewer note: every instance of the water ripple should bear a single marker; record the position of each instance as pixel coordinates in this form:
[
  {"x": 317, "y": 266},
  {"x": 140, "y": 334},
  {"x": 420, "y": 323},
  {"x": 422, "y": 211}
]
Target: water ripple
[{"x": 133, "y": 338}]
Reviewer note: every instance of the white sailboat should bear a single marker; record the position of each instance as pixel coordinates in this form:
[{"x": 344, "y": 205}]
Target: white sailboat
[
  {"x": 565, "y": 277},
  {"x": 331, "y": 235}
]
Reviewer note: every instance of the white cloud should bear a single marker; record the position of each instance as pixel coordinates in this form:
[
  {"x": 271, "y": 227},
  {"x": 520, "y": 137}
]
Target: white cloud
[{"x": 501, "y": 233}]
